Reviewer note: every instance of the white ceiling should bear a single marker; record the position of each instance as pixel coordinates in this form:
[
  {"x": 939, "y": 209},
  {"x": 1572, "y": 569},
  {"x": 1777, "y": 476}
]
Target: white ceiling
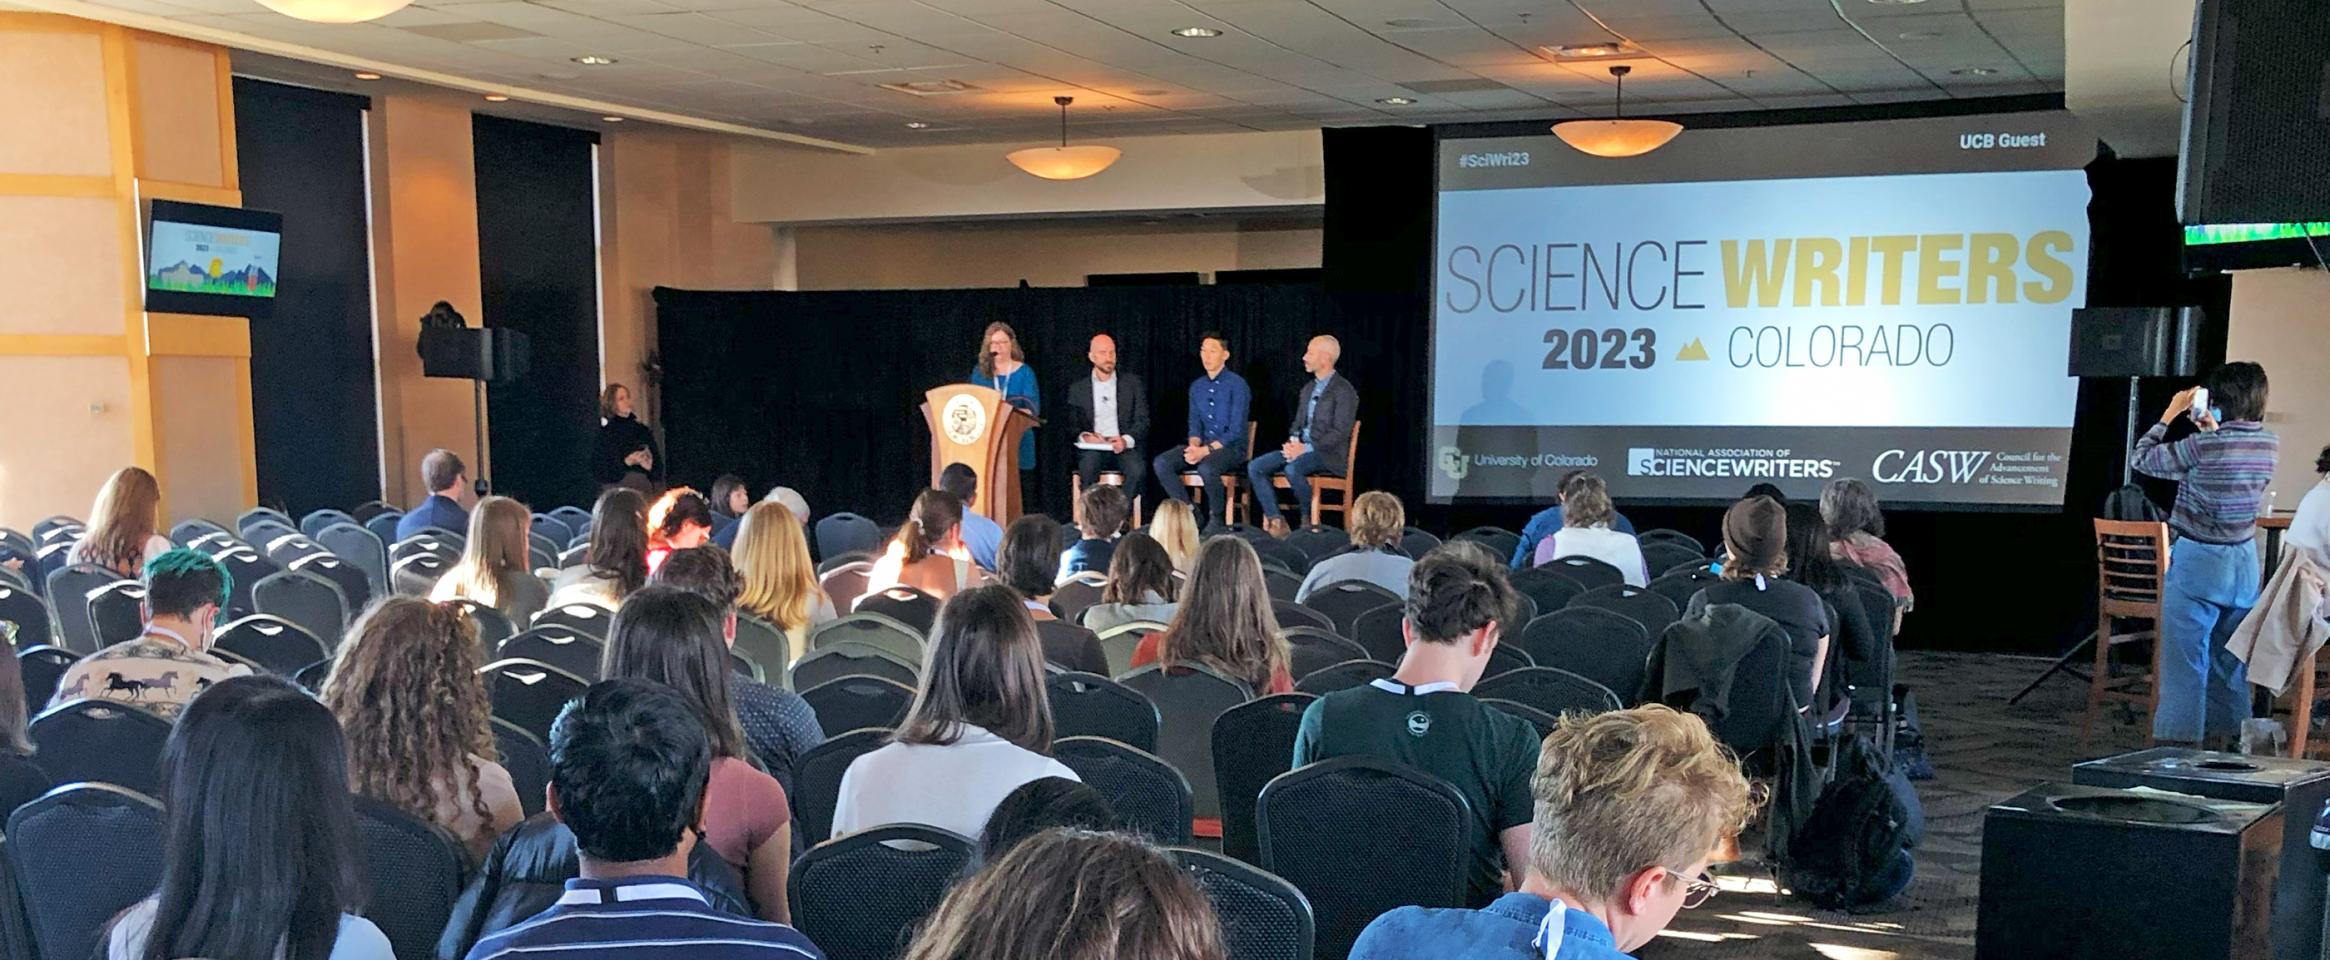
[{"x": 812, "y": 67}]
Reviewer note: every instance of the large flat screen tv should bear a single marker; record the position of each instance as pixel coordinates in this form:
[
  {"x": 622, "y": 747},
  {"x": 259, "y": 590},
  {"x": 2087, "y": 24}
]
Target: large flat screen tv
[{"x": 211, "y": 260}]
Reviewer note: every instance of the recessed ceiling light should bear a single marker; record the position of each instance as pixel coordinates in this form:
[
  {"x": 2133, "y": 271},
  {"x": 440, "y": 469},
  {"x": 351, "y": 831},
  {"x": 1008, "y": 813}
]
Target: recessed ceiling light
[
  {"x": 593, "y": 60},
  {"x": 1395, "y": 101},
  {"x": 1590, "y": 51},
  {"x": 368, "y": 76},
  {"x": 496, "y": 97},
  {"x": 917, "y": 125},
  {"x": 1197, "y": 33},
  {"x": 1974, "y": 72},
  {"x": 1921, "y": 35},
  {"x": 1896, "y": 3},
  {"x": 612, "y": 119}
]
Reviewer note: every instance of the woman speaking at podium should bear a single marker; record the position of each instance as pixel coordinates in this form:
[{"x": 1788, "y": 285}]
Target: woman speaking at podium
[{"x": 1003, "y": 368}]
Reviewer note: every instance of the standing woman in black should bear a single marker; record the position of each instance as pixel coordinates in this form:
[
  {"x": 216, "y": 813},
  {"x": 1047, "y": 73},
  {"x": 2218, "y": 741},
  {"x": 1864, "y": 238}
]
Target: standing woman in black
[{"x": 626, "y": 454}]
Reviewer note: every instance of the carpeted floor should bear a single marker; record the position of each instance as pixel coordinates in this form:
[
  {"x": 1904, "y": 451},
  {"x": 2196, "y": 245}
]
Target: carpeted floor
[{"x": 1983, "y": 751}]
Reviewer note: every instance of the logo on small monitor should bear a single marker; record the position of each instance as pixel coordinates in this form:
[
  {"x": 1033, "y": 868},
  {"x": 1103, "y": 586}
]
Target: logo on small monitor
[{"x": 1638, "y": 461}]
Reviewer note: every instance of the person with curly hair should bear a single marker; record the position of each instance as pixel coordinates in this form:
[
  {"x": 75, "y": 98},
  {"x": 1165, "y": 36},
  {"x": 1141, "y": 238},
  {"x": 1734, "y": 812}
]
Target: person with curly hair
[
  {"x": 418, "y": 724},
  {"x": 679, "y": 519}
]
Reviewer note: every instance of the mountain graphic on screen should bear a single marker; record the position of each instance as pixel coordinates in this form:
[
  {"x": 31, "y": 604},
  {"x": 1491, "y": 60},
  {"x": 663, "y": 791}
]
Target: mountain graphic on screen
[{"x": 246, "y": 281}]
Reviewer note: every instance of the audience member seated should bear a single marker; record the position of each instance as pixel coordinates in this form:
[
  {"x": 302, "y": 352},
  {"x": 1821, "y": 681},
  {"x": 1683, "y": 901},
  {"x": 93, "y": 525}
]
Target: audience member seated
[
  {"x": 792, "y": 500},
  {"x": 1025, "y": 562},
  {"x": 678, "y": 520},
  {"x": 729, "y": 500},
  {"x": 1755, "y": 547},
  {"x": 1075, "y": 895},
  {"x": 448, "y": 482},
  {"x": 1586, "y": 531},
  {"x": 779, "y": 580},
  {"x": 1631, "y": 806},
  {"x": 980, "y": 727},
  {"x": 928, "y": 552},
  {"x": 1100, "y": 516},
  {"x": 1856, "y": 529},
  {"x": 1225, "y": 623},
  {"x": 259, "y": 856},
  {"x": 1140, "y": 585},
  {"x": 981, "y": 535},
  {"x": 1376, "y": 523},
  {"x": 1425, "y": 716},
  {"x": 1040, "y": 805},
  {"x": 632, "y": 774},
  {"x": 1811, "y": 564},
  {"x": 1174, "y": 527},
  {"x": 615, "y": 562},
  {"x": 21, "y": 780},
  {"x": 406, "y": 691},
  {"x": 167, "y": 664},
  {"x": 1766, "y": 490},
  {"x": 497, "y": 567},
  {"x": 121, "y": 535},
  {"x": 2310, "y": 529},
  {"x": 778, "y": 725},
  {"x": 1544, "y": 523},
  {"x": 673, "y": 637}
]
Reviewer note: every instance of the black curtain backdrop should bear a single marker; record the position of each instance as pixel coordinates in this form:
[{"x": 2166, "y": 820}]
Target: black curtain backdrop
[
  {"x": 314, "y": 410},
  {"x": 539, "y": 272}
]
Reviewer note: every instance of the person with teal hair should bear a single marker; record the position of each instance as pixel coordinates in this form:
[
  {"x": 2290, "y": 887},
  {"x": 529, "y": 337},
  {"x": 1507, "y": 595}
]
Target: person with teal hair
[{"x": 166, "y": 664}]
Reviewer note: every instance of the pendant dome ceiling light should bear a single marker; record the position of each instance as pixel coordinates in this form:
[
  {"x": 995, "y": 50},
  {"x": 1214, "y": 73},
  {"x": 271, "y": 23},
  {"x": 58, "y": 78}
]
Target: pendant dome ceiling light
[
  {"x": 335, "y": 11},
  {"x": 1617, "y": 136},
  {"x": 1064, "y": 162}
]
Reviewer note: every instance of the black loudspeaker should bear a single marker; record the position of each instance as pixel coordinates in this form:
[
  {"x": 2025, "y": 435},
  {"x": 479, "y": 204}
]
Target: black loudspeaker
[
  {"x": 491, "y": 354},
  {"x": 2090, "y": 873},
  {"x": 2136, "y": 342},
  {"x": 2300, "y": 786},
  {"x": 2257, "y": 125}
]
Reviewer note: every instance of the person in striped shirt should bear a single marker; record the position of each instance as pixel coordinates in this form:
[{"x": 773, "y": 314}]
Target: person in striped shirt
[
  {"x": 629, "y": 765},
  {"x": 2221, "y": 473}
]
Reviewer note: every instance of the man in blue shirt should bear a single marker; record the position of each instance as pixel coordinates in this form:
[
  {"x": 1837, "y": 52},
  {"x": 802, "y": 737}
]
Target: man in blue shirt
[
  {"x": 980, "y": 535},
  {"x": 1547, "y": 522},
  {"x": 1631, "y": 808},
  {"x": 447, "y": 480},
  {"x": 630, "y": 764},
  {"x": 1218, "y": 405},
  {"x": 1318, "y": 435}
]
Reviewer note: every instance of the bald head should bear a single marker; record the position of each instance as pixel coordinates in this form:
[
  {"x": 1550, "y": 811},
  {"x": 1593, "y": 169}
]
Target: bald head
[
  {"x": 1320, "y": 358},
  {"x": 1103, "y": 355}
]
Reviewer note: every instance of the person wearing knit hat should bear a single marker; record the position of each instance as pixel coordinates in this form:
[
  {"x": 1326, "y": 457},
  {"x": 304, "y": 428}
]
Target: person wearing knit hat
[{"x": 1755, "y": 547}]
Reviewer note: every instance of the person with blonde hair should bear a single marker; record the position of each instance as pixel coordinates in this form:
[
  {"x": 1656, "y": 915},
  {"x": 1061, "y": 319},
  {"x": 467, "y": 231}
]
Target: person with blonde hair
[
  {"x": 1174, "y": 527},
  {"x": 121, "y": 535},
  {"x": 1068, "y": 894},
  {"x": 928, "y": 553},
  {"x": 780, "y": 581},
  {"x": 1377, "y": 522},
  {"x": 417, "y": 721},
  {"x": 496, "y": 567},
  {"x": 625, "y": 454},
  {"x": 1225, "y": 623},
  {"x": 1586, "y": 531},
  {"x": 1631, "y": 807}
]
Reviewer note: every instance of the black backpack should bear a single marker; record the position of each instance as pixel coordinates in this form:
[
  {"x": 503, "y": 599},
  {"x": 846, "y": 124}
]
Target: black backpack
[{"x": 1854, "y": 849}]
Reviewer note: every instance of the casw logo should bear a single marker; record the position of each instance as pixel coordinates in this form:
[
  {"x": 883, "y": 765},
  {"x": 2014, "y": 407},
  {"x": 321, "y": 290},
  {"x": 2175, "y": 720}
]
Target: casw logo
[{"x": 1929, "y": 466}]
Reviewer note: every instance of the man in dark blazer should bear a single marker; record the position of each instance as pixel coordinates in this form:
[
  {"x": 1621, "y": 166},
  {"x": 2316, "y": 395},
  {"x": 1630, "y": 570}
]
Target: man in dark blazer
[
  {"x": 1318, "y": 435},
  {"x": 1109, "y": 410}
]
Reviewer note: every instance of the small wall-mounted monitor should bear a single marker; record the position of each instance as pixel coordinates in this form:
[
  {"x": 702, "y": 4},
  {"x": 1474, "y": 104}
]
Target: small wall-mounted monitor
[
  {"x": 2252, "y": 246},
  {"x": 211, "y": 260}
]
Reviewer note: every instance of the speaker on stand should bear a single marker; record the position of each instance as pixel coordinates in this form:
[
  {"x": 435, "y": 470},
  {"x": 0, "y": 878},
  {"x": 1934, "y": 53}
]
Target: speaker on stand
[{"x": 481, "y": 355}]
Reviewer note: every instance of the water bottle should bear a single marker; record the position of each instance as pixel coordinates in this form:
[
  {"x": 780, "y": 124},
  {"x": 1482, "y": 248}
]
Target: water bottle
[{"x": 2262, "y": 735}]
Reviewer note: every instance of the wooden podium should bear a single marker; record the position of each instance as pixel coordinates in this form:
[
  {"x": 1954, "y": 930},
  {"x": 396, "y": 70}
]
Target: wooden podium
[{"x": 974, "y": 425}]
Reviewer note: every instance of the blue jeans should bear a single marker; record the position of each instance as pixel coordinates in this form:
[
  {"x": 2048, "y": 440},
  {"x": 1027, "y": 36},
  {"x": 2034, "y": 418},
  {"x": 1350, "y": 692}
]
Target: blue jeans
[
  {"x": 2204, "y": 690},
  {"x": 1298, "y": 478}
]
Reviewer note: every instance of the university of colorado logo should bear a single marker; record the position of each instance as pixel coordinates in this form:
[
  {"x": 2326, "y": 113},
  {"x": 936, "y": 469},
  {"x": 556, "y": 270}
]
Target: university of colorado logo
[{"x": 964, "y": 418}]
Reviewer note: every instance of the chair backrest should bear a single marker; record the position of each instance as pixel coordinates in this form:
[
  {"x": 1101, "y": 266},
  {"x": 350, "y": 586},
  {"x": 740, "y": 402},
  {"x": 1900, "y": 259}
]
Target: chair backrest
[
  {"x": 1676, "y": 537},
  {"x": 1318, "y": 542},
  {"x": 589, "y": 618},
  {"x": 258, "y": 514},
  {"x": 1604, "y": 646},
  {"x": 907, "y": 605},
  {"x": 527, "y": 759},
  {"x": 184, "y": 533},
  {"x": 1641, "y": 605},
  {"x": 117, "y": 611},
  {"x": 573, "y": 556},
  {"x": 1277, "y": 552},
  {"x": 1680, "y": 587},
  {"x": 305, "y": 599},
  {"x": 1283, "y": 585},
  {"x": 1291, "y": 614},
  {"x": 24, "y": 608},
  {"x": 416, "y": 871},
  {"x": 416, "y": 575},
  {"x": 1543, "y": 721},
  {"x": 872, "y": 629},
  {"x": 845, "y": 583},
  {"x": 576, "y": 519},
  {"x": 493, "y": 626},
  {"x": 277, "y": 645},
  {"x": 762, "y": 641},
  {"x": 529, "y": 693},
  {"x": 1150, "y": 796},
  {"x": 355, "y": 585},
  {"x": 1758, "y": 702},
  {"x": 1700, "y": 568},
  {"x": 2131, "y": 559},
  {"x": 1344, "y": 600},
  {"x": 1342, "y": 676},
  {"x": 1073, "y": 596},
  {"x": 1091, "y": 705},
  {"x": 1263, "y": 917},
  {"x": 566, "y": 648},
  {"x": 817, "y": 778},
  {"x": 743, "y": 665},
  {"x": 1350, "y": 453},
  {"x": 245, "y": 568},
  {"x": 52, "y": 558},
  {"x": 43, "y": 668},
  {"x": 1500, "y": 542},
  {"x": 1416, "y": 542},
  {"x": 317, "y": 520},
  {"x": 1551, "y": 689},
  {"x": 1663, "y": 555},
  {"x": 1189, "y": 698},
  {"x": 864, "y": 896},
  {"x": 1253, "y": 742},
  {"x": 383, "y": 524},
  {"x": 359, "y": 548},
  {"x": 1407, "y": 832},
  {"x": 82, "y": 853},
  {"x": 1381, "y": 633},
  {"x": 837, "y": 561},
  {"x": 846, "y": 532},
  {"x": 1118, "y": 643},
  {"x": 1588, "y": 571},
  {"x": 1550, "y": 587},
  {"x": 1310, "y": 649},
  {"x": 852, "y": 703},
  {"x": 69, "y": 590},
  {"x": 553, "y": 529},
  {"x": 100, "y": 740},
  {"x": 849, "y": 658}
]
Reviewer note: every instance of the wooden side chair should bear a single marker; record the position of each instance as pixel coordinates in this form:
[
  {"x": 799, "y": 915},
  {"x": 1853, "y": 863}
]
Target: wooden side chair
[
  {"x": 1232, "y": 481},
  {"x": 1321, "y": 485},
  {"x": 2131, "y": 577}
]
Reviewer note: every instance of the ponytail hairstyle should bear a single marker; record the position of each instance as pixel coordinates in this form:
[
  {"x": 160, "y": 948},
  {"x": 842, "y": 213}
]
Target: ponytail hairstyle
[{"x": 936, "y": 513}]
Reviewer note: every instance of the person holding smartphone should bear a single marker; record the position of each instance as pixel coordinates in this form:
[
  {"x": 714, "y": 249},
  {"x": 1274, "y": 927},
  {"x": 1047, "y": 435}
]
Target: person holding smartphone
[{"x": 2221, "y": 471}]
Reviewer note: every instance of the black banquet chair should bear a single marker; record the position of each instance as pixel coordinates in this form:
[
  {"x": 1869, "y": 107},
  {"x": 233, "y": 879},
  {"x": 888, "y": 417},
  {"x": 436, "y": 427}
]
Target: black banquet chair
[
  {"x": 873, "y": 630},
  {"x": 1606, "y": 647},
  {"x": 1292, "y": 614},
  {"x": 117, "y": 612},
  {"x": 906, "y": 605},
  {"x": 1543, "y": 721},
  {"x": 842, "y": 533},
  {"x": 1309, "y": 649},
  {"x": 1641, "y": 605},
  {"x": 865, "y": 895},
  {"x": 1552, "y": 690},
  {"x": 1547, "y": 587},
  {"x": 588, "y": 618},
  {"x": 528, "y": 761},
  {"x": 44, "y": 668},
  {"x": 1679, "y": 586},
  {"x": 817, "y": 778},
  {"x": 83, "y": 853},
  {"x": 852, "y": 703},
  {"x": 848, "y": 659},
  {"x": 1588, "y": 572},
  {"x": 1281, "y": 584},
  {"x": 1150, "y": 797},
  {"x": 566, "y": 649},
  {"x": 416, "y": 871},
  {"x": 493, "y": 626},
  {"x": 1343, "y": 676},
  {"x": 102, "y": 741},
  {"x": 1318, "y": 542},
  {"x": 1345, "y": 600},
  {"x": 1382, "y": 633},
  {"x": 1253, "y": 742},
  {"x": 1664, "y": 555},
  {"x": 30, "y": 614},
  {"x": 277, "y": 645},
  {"x": 1091, "y": 705},
  {"x": 1188, "y": 699},
  {"x": 530, "y": 693},
  {"x": 1263, "y": 917},
  {"x": 305, "y": 599},
  {"x": 1500, "y": 542},
  {"x": 1416, "y": 542},
  {"x": 69, "y": 591},
  {"x": 1407, "y": 832}
]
